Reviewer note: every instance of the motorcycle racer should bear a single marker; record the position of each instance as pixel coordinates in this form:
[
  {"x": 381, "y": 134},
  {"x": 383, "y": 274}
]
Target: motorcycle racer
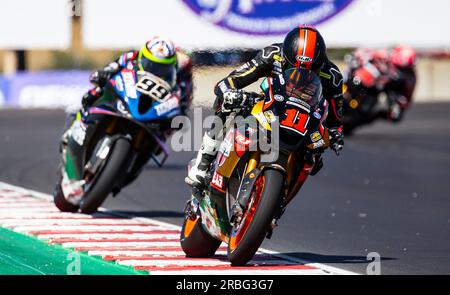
[
  {"x": 390, "y": 71},
  {"x": 303, "y": 47},
  {"x": 402, "y": 79},
  {"x": 159, "y": 57}
]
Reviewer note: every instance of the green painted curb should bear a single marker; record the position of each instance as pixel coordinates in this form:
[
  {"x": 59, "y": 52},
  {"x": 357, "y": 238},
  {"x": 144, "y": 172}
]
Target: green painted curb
[{"x": 26, "y": 255}]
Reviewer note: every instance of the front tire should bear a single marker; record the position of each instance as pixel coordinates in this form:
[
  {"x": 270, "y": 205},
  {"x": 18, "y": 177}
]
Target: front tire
[
  {"x": 246, "y": 237},
  {"x": 60, "y": 201},
  {"x": 195, "y": 241},
  {"x": 105, "y": 181}
]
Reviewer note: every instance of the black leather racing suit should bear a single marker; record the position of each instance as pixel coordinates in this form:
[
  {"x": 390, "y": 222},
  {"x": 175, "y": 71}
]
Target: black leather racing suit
[{"x": 269, "y": 62}]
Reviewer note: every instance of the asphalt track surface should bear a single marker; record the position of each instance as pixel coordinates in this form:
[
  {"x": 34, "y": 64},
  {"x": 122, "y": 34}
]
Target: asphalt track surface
[{"x": 388, "y": 192}]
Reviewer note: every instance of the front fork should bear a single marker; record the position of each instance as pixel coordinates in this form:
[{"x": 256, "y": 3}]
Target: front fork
[
  {"x": 252, "y": 172},
  {"x": 191, "y": 210},
  {"x": 298, "y": 179}
]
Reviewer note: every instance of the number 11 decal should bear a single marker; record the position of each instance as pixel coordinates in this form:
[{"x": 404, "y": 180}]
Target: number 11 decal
[{"x": 295, "y": 121}]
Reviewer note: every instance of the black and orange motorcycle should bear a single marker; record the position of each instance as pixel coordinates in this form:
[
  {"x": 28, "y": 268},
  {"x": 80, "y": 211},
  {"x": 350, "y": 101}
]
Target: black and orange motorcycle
[{"x": 248, "y": 190}]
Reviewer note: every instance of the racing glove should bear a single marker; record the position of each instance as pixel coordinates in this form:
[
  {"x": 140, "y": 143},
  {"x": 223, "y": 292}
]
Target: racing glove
[
  {"x": 100, "y": 77},
  {"x": 336, "y": 139},
  {"x": 233, "y": 100},
  {"x": 237, "y": 99},
  {"x": 89, "y": 98}
]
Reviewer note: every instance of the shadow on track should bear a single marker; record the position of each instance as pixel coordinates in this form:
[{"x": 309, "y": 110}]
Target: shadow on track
[
  {"x": 150, "y": 214},
  {"x": 328, "y": 259},
  {"x": 175, "y": 167}
]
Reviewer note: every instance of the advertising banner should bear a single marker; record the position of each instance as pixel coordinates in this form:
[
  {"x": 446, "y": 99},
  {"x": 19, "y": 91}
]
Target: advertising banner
[
  {"x": 45, "y": 89},
  {"x": 228, "y": 24},
  {"x": 265, "y": 17}
]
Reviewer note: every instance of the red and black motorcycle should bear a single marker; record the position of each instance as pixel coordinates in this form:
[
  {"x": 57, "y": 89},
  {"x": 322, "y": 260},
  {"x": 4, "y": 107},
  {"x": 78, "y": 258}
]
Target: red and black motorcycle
[{"x": 370, "y": 95}]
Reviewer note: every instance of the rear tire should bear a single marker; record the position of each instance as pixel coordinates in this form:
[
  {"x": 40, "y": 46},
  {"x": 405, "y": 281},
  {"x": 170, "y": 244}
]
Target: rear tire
[
  {"x": 109, "y": 174},
  {"x": 195, "y": 241},
  {"x": 256, "y": 231}
]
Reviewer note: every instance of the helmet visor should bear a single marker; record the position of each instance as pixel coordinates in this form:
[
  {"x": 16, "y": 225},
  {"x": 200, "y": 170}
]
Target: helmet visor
[{"x": 166, "y": 72}]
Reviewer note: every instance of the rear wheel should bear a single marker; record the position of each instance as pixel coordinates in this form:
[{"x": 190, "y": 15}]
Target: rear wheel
[
  {"x": 195, "y": 241},
  {"x": 247, "y": 236},
  {"x": 104, "y": 183}
]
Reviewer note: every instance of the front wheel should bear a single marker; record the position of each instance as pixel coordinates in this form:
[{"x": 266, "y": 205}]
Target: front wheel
[
  {"x": 108, "y": 175},
  {"x": 248, "y": 235},
  {"x": 195, "y": 241},
  {"x": 59, "y": 199}
]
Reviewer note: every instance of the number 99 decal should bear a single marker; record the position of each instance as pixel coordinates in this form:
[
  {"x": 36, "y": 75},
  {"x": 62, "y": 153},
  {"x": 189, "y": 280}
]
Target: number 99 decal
[{"x": 153, "y": 87}]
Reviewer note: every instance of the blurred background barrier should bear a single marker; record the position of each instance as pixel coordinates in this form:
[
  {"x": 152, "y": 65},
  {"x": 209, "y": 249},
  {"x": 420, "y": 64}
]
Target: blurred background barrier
[
  {"x": 28, "y": 24},
  {"x": 48, "y": 47},
  {"x": 63, "y": 89},
  {"x": 433, "y": 85}
]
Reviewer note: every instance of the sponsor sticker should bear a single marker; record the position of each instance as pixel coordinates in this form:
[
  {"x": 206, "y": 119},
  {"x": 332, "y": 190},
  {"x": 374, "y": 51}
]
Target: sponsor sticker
[
  {"x": 318, "y": 144},
  {"x": 303, "y": 58},
  {"x": 225, "y": 147},
  {"x": 119, "y": 83},
  {"x": 217, "y": 180},
  {"x": 130, "y": 89},
  {"x": 278, "y": 58},
  {"x": 270, "y": 116},
  {"x": 167, "y": 106},
  {"x": 316, "y": 136},
  {"x": 278, "y": 97},
  {"x": 299, "y": 101}
]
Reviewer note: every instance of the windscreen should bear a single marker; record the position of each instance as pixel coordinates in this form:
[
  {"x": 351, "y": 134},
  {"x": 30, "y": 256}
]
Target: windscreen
[{"x": 303, "y": 84}]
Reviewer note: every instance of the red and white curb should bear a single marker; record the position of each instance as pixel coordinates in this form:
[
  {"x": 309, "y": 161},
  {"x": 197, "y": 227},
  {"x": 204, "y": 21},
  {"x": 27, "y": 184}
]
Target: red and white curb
[{"x": 142, "y": 243}]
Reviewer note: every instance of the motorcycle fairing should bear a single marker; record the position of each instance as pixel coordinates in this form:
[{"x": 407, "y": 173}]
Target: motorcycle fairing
[{"x": 124, "y": 84}]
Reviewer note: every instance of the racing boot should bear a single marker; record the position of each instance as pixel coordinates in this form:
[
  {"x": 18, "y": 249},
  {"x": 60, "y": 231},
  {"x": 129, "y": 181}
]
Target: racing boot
[
  {"x": 395, "y": 113},
  {"x": 205, "y": 156},
  {"x": 396, "y": 109}
]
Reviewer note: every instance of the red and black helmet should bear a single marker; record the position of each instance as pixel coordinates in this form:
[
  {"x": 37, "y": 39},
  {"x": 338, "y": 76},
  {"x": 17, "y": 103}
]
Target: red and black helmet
[{"x": 304, "y": 47}]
